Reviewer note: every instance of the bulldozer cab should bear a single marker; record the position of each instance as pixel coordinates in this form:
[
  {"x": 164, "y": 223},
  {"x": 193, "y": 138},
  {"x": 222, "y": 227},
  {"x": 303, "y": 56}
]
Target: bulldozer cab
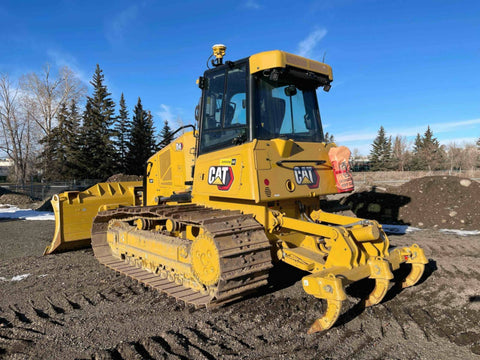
[
  {"x": 242, "y": 101},
  {"x": 259, "y": 120}
]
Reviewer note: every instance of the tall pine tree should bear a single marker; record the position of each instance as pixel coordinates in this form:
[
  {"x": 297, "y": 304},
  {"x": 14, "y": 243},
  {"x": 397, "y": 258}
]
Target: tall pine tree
[
  {"x": 122, "y": 129},
  {"x": 165, "y": 135},
  {"x": 381, "y": 153},
  {"x": 97, "y": 150},
  {"x": 71, "y": 142},
  {"x": 53, "y": 155},
  {"x": 141, "y": 143},
  {"x": 427, "y": 152}
]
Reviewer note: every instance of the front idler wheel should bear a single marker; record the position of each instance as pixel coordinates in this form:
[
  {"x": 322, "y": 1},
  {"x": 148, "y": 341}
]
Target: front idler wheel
[{"x": 205, "y": 260}]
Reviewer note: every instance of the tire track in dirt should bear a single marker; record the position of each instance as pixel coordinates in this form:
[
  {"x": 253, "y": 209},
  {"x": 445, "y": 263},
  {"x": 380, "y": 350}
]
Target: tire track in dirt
[{"x": 105, "y": 316}]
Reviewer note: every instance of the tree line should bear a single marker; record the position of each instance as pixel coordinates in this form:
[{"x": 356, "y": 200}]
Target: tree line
[
  {"x": 47, "y": 134},
  {"x": 426, "y": 154}
]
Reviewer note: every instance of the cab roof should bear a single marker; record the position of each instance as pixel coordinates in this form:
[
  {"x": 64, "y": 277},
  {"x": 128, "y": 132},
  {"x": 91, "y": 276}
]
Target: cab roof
[{"x": 281, "y": 59}]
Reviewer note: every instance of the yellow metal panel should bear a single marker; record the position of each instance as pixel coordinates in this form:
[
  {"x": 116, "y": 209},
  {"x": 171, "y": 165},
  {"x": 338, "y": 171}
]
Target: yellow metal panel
[
  {"x": 251, "y": 172},
  {"x": 171, "y": 168},
  {"x": 227, "y": 173},
  {"x": 282, "y": 181},
  {"x": 276, "y": 58}
]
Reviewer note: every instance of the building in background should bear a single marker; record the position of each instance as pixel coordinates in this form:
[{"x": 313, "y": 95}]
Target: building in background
[{"x": 6, "y": 165}]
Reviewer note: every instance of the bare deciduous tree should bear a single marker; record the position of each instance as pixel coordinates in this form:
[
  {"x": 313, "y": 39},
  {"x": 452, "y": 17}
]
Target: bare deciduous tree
[
  {"x": 462, "y": 158},
  {"x": 16, "y": 130},
  {"x": 45, "y": 94},
  {"x": 400, "y": 154}
]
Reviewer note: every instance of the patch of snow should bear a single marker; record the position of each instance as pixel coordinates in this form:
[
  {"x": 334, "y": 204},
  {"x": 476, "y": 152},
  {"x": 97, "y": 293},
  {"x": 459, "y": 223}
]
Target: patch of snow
[
  {"x": 13, "y": 212},
  {"x": 461, "y": 232},
  {"x": 15, "y": 278}
]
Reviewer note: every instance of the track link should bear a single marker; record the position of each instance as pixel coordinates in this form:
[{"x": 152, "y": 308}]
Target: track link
[{"x": 243, "y": 248}]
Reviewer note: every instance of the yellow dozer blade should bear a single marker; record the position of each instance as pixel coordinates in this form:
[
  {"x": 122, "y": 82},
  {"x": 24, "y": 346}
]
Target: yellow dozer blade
[{"x": 75, "y": 210}]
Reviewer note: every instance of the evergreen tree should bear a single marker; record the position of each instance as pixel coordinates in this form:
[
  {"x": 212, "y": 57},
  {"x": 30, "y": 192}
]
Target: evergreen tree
[
  {"x": 71, "y": 142},
  {"x": 151, "y": 131},
  {"x": 53, "y": 155},
  {"x": 165, "y": 135},
  {"x": 141, "y": 143},
  {"x": 417, "y": 162},
  {"x": 122, "y": 129},
  {"x": 381, "y": 153},
  {"x": 428, "y": 154},
  {"x": 417, "y": 145},
  {"x": 61, "y": 132},
  {"x": 97, "y": 158}
]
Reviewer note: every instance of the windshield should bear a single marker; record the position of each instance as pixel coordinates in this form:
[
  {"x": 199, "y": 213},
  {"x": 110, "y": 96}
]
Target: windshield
[{"x": 286, "y": 108}]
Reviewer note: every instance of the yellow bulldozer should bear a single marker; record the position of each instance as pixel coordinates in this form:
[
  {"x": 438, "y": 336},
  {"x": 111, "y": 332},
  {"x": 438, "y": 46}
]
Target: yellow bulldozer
[{"x": 221, "y": 204}]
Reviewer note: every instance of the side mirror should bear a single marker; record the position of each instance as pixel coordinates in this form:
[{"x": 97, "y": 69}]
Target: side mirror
[{"x": 197, "y": 112}]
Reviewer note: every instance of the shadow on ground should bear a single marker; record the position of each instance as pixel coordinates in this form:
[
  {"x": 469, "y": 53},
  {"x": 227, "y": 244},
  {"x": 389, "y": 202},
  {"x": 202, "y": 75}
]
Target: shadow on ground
[{"x": 373, "y": 205}]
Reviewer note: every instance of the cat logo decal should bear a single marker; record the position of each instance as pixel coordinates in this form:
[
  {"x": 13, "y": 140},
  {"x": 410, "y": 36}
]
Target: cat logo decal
[
  {"x": 306, "y": 175},
  {"x": 222, "y": 176}
]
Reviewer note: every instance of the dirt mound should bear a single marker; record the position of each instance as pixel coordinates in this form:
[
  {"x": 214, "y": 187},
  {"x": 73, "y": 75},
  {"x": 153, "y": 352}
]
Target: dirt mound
[
  {"x": 15, "y": 199},
  {"x": 446, "y": 202},
  {"x": 123, "y": 177},
  {"x": 45, "y": 205}
]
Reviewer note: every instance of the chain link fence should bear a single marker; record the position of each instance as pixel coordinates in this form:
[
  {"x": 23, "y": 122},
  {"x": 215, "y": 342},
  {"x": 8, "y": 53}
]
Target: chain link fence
[
  {"x": 43, "y": 191},
  {"x": 401, "y": 177}
]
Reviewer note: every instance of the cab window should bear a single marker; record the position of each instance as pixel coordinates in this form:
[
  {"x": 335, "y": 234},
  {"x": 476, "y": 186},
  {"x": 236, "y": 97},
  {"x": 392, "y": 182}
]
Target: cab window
[{"x": 225, "y": 108}]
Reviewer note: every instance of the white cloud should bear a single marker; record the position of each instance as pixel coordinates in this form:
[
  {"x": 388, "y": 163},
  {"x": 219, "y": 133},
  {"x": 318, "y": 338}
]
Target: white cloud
[
  {"x": 461, "y": 141},
  {"x": 446, "y": 127},
  {"x": 355, "y": 136},
  {"x": 435, "y": 127},
  {"x": 363, "y": 141},
  {"x": 252, "y": 4},
  {"x": 165, "y": 113},
  {"x": 173, "y": 116},
  {"x": 306, "y": 46},
  {"x": 117, "y": 25},
  {"x": 62, "y": 59}
]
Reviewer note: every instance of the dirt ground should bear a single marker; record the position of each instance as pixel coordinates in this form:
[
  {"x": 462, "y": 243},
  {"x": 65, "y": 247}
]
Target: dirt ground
[{"x": 71, "y": 307}]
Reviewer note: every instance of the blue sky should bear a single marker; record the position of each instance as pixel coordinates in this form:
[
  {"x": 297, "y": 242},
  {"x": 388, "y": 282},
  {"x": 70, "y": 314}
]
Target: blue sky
[{"x": 402, "y": 65}]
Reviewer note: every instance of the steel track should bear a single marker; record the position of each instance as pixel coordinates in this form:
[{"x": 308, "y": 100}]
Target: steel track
[{"x": 244, "y": 250}]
